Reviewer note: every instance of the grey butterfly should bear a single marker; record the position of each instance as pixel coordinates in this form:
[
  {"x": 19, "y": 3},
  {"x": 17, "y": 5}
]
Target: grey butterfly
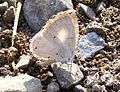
[{"x": 57, "y": 39}]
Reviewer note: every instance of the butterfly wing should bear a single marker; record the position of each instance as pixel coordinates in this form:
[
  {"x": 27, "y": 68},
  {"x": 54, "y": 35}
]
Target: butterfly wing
[{"x": 57, "y": 39}]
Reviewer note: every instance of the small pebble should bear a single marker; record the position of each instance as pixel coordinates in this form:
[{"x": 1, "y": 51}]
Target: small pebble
[
  {"x": 79, "y": 88},
  {"x": 12, "y": 2},
  {"x": 101, "y": 6},
  {"x": 3, "y": 7},
  {"x": 88, "y": 11},
  {"x": 91, "y": 80},
  {"x": 9, "y": 15},
  {"x": 67, "y": 74},
  {"x": 98, "y": 88},
  {"x": 24, "y": 61},
  {"x": 53, "y": 87},
  {"x": 108, "y": 78},
  {"x": 50, "y": 74}
]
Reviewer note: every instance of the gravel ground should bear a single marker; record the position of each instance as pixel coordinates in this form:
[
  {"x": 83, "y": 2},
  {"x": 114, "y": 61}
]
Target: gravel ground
[{"x": 102, "y": 69}]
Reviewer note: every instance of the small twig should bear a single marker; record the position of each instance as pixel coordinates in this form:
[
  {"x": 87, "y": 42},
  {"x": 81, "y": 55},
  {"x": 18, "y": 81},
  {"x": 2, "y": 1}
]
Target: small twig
[{"x": 19, "y": 5}]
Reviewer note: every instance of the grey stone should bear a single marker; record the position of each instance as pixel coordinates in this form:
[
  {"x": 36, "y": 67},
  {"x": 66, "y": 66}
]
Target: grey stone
[
  {"x": 67, "y": 74},
  {"x": 89, "y": 44},
  {"x": 53, "y": 87},
  {"x": 23, "y": 61},
  {"x": 21, "y": 83},
  {"x": 79, "y": 88},
  {"x": 37, "y": 12},
  {"x": 88, "y": 11}
]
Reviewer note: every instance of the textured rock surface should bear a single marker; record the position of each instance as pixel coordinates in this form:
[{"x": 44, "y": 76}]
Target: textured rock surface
[
  {"x": 67, "y": 74},
  {"x": 21, "y": 83},
  {"x": 37, "y": 12},
  {"x": 53, "y": 87},
  {"x": 89, "y": 44}
]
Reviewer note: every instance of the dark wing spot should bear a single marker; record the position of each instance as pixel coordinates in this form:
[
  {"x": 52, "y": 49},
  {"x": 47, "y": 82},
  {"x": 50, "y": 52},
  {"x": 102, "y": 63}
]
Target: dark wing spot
[
  {"x": 49, "y": 57},
  {"x": 68, "y": 59},
  {"x": 35, "y": 47},
  {"x": 54, "y": 37}
]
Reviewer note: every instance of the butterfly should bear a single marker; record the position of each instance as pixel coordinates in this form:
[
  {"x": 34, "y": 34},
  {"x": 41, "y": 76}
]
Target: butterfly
[{"x": 57, "y": 39}]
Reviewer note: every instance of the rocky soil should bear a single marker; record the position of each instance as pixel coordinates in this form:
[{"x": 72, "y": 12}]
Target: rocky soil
[{"x": 96, "y": 65}]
